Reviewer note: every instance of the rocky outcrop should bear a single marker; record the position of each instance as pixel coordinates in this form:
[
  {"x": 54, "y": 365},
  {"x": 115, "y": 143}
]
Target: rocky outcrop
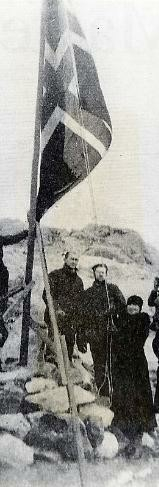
[
  {"x": 15, "y": 424},
  {"x": 55, "y": 433},
  {"x": 108, "y": 448},
  {"x": 49, "y": 433},
  {"x": 11, "y": 397},
  {"x": 55, "y": 398}
]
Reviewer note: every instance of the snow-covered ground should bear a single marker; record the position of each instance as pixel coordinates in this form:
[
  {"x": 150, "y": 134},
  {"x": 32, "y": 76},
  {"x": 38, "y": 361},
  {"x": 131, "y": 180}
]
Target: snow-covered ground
[{"x": 113, "y": 473}]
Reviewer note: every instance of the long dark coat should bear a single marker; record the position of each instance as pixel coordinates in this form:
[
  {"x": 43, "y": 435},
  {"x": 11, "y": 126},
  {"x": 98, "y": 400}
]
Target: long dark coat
[
  {"x": 152, "y": 301},
  {"x": 96, "y": 325},
  {"x": 66, "y": 288},
  {"x": 132, "y": 397},
  {"x": 4, "y": 276},
  {"x": 3, "y": 332}
]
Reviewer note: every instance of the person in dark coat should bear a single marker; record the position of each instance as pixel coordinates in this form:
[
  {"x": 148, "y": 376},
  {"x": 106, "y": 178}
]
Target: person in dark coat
[
  {"x": 4, "y": 277},
  {"x": 4, "y": 274},
  {"x": 155, "y": 346},
  {"x": 132, "y": 396},
  {"x": 102, "y": 304},
  {"x": 66, "y": 287},
  {"x": 4, "y": 280},
  {"x": 153, "y": 301}
]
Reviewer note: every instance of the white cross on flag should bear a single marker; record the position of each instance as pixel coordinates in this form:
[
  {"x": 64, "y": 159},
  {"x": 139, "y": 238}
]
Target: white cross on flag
[{"x": 75, "y": 126}]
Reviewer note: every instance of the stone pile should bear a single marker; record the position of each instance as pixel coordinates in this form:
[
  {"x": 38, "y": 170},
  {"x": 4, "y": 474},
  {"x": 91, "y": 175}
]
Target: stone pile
[{"x": 36, "y": 424}]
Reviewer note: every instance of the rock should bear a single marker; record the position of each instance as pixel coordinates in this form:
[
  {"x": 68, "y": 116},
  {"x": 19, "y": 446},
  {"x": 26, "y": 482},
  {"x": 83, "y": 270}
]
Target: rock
[
  {"x": 95, "y": 431},
  {"x": 18, "y": 374},
  {"x": 41, "y": 439},
  {"x": 86, "y": 377},
  {"x": 55, "y": 433},
  {"x": 39, "y": 384},
  {"x": 86, "y": 358},
  {"x": 15, "y": 423},
  {"x": 103, "y": 401},
  {"x": 27, "y": 407},
  {"x": 109, "y": 447},
  {"x": 123, "y": 442},
  {"x": 75, "y": 375},
  {"x": 14, "y": 452},
  {"x": 94, "y": 411},
  {"x": 34, "y": 418},
  {"x": 47, "y": 456},
  {"x": 10, "y": 399},
  {"x": 148, "y": 441},
  {"x": 56, "y": 399},
  {"x": 47, "y": 370}
]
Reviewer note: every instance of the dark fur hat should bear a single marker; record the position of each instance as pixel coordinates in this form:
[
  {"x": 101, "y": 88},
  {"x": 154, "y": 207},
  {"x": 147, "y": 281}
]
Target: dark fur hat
[{"x": 135, "y": 300}]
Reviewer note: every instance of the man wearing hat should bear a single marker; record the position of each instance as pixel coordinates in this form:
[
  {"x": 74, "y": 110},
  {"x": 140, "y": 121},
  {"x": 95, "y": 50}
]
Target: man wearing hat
[
  {"x": 66, "y": 288},
  {"x": 102, "y": 304}
]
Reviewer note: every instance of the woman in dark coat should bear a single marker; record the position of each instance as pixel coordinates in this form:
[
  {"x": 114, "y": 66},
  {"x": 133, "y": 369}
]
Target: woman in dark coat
[{"x": 132, "y": 397}]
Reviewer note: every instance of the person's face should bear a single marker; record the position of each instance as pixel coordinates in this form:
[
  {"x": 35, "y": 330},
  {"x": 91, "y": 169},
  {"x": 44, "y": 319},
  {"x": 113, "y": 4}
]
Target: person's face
[
  {"x": 100, "y": 274},
  {"x": 133, "y": 309},
  {"x": 72, "y": 260}
]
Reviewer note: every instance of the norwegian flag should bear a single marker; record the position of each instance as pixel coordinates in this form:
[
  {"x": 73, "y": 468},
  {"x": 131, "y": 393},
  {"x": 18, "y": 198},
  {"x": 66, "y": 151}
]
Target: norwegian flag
[{"x": 75, "y": 126}]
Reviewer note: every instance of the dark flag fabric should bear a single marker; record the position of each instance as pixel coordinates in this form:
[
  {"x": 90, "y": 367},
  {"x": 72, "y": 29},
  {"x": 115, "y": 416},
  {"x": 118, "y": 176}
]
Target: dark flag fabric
[{"x": 75, "y": 126}]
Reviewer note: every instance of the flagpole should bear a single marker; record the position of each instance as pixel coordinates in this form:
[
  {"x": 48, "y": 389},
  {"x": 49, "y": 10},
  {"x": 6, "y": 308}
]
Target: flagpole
[
  {"x": 52, "y": 315},
  {"x": 33, "y": 196}
]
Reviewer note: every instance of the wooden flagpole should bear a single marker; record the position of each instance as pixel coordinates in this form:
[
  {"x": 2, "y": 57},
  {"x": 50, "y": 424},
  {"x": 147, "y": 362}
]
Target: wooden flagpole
[
  {"x": 33, "y": 196},
  {"x": 35, "y": 229}
]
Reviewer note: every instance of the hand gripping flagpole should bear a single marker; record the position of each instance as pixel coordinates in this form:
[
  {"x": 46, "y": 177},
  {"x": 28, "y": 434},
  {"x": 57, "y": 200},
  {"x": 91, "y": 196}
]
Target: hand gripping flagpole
[{"x": 33, "y": 196}]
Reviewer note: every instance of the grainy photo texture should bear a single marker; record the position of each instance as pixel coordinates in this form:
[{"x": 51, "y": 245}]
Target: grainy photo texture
[{"x": 79, "y": 243}]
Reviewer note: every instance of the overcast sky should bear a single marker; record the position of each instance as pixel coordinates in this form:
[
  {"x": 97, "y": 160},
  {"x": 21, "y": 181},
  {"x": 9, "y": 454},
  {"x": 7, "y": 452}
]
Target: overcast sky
[{"x": 124, "y": 39}]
